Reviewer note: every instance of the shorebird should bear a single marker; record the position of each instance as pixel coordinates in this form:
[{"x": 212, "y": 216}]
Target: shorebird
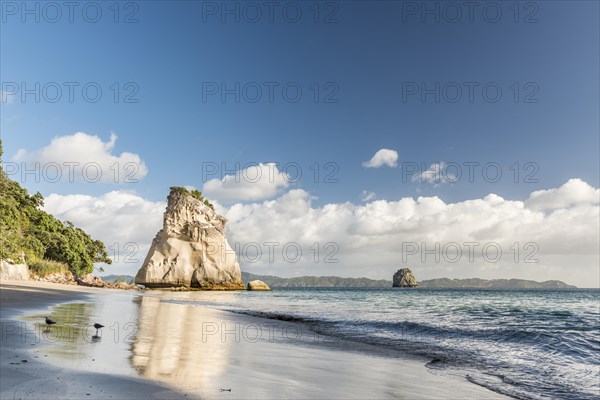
[
  {"x": 49, "y": 322},
  {"x": 98, "y": 326}
]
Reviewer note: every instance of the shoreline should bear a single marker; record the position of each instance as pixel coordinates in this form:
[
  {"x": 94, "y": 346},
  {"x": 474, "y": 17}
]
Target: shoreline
[
  {"x": 186, "y": 351},
  {"x": 38, "y": 379}
]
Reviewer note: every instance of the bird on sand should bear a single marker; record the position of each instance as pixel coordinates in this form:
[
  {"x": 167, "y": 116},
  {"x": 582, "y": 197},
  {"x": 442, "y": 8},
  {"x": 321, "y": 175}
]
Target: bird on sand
[
  {"x": 49, "y": 321},
  {"x": 98, "y": 327}
]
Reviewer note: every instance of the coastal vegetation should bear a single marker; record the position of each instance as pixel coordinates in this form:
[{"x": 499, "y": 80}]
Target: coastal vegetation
[
  {"x": 43, "y": 268},
  {"x": 194, "y": 193},
  {"x": 46, "y": 244}
]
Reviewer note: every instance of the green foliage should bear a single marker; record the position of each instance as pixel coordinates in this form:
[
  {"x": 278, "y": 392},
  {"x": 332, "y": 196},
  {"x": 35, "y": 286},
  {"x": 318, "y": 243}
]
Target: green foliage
[
  {"x": 44, "y": 268},
  {"x": 179, "y": 189},
  {"x": 27, "y": 231},
  {"x": 209, "y": 204},
  {"x": 197, "y": 194},
  {"x": 194, "y": 193}
]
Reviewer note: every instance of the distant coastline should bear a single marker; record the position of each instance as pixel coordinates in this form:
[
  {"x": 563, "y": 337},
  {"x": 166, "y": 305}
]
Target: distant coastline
[
  {"x": 445, "y": 283},
  {"x": 339, "y": 282}
]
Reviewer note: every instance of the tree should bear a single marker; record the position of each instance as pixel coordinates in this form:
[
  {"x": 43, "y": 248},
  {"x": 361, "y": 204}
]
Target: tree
[{"x": 25, "y": 228}]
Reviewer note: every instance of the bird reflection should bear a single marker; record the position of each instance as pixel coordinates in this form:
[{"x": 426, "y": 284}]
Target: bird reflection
[
  {"x": 97, "y": 337},
  {"x": 98, "y": 327}
]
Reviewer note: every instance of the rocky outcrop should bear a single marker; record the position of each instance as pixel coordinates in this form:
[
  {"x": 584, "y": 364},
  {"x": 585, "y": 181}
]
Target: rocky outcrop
[
  {"x": 65, "y": 278},
  {"x": 14, "y": 272},
  {"x": 190, "y": 251},
  {"x": 258, "y": 285},
  {"x": 96, "y": 281},
  {"x": 404, "y": 278}
]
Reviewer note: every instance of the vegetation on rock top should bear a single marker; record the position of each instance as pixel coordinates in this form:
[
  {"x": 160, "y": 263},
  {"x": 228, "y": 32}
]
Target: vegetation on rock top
[{"x": 194, "y": 193}]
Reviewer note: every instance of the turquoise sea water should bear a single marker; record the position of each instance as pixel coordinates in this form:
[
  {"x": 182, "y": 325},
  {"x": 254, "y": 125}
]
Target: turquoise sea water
[{"x": 530, "y": 344}]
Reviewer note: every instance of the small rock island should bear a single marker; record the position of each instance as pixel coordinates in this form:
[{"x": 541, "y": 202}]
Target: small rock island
[
  {"x": 258, "y": 285},
  {"x": 191, "y": 251},
  {"x": 404, "y": 278}
]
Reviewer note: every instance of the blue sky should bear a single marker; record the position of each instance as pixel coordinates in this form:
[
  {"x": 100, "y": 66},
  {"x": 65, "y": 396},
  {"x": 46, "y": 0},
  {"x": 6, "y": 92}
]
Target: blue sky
[{"x": 365, "y": 57}]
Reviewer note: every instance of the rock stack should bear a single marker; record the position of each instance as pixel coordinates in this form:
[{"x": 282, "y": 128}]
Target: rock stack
[
  {"x": 258, "y": 285},
  {"x": 404, "y": 278},
  {"x": 190, "y": 251}
]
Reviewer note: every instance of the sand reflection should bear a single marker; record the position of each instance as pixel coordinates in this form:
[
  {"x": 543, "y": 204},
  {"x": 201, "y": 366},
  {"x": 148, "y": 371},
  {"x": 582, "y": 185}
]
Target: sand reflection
[{"x": 172, "y": 348}]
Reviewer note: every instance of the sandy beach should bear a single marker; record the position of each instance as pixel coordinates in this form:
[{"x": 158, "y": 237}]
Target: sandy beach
[
  {"x": 154, "y": 346},
  {"x": 27, "y": 367}
]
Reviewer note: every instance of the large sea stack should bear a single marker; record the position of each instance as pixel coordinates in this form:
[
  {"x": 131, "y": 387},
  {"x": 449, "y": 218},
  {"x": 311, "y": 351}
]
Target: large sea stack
[
  {"x": 191, "y": 251},
  {"x": 404, "y": 278}
]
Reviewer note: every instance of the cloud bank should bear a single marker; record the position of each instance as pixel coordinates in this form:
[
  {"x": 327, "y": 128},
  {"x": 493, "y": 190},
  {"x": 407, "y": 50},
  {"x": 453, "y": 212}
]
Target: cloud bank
[{"x": 557, "y": 227}]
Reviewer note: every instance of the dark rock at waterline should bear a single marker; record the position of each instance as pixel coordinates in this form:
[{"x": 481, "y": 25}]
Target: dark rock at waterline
[{"x": 404, "y": 278}]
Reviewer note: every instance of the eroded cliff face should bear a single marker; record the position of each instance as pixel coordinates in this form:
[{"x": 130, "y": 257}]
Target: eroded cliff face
[
  {"x": 191, "y": 251},
  {"x": 11, "y": 271}
]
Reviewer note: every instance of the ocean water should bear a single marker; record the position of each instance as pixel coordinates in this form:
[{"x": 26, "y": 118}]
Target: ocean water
[{"x": 528, "y": 344}]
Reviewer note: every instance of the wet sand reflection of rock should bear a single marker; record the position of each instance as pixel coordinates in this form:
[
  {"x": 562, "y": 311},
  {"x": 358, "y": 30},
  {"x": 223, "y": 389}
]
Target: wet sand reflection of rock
[{"x": 170, "y": 346}]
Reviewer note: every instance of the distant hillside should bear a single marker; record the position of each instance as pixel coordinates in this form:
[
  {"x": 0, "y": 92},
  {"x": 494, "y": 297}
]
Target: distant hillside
[
  {"x": 493, "y": 284},
  {"x": 338, "y": 282},
  {"x": 117, "y": 278},
  {"x": 317, "y": 281}
]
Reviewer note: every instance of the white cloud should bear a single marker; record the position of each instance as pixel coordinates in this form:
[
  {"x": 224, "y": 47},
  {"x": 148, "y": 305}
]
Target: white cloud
[
  {"x": 123, "y": 220},
  {"x": 114, "y": 216},
  {"x": 382, "y": 157},
  {"x": 574, "y": 192},
  {"x": 436, "y": 174},
  {"x": 370, "y": 237},
  {"x": 83, "y": 157},
  {"x": 256, "y": 182},
  {"x": 558, "y": 227},
  {"x": 367, "y": 196}
]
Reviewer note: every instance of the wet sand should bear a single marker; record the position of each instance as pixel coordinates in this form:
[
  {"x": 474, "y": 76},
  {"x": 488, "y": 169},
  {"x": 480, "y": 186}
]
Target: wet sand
[
  {"x": 27, "y": 370},
  {"x": 156, "y": 347}
]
